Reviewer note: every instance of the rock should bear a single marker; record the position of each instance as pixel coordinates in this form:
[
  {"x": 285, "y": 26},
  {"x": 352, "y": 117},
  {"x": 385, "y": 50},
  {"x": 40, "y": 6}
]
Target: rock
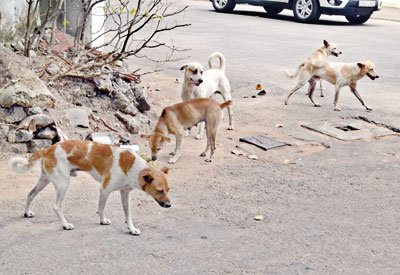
[
  {"x": 143, "y": 105},
  {"x": 3, "y": 131},
  {"x": 259, "y": 218},
  {"x": 238, "y": 152},
  {"x": 263, "y": 92},
  {"x": 124, "y": 104},
  {"x": 103, "y": 83},
  {"x": 18, "y": 136},
  {"x": 15, "y": 114},
  {"x": 32, "y": 54},
  {"x": 27, "y": 90},
  {"x": 131, "y": 123},
  {"x": 19, "y": 148},
  {"x": 46, "y": 133},
  {"x": 254, "y": 157},
  {"x": 53, "y": 69},
  {"x": 37, "y": 144},
  {"x": 34, "y": 111},
  {"x": 32, "y": 123},
  {"x": 78, "y": 117}
]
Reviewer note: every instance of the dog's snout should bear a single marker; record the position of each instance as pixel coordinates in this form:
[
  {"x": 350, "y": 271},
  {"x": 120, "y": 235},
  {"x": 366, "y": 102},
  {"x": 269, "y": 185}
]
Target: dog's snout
[
  {"x": 165, "y": 204},
  {"x": 200, "y": 80},
  {"x": 153, "y": 158}
]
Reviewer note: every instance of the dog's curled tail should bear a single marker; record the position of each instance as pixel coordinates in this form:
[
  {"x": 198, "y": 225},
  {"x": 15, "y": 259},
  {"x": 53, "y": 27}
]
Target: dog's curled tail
[
  {"x": 221, "y": 58},
  {"x": 295, "y": 74},
  {"x": 22, "y": 165},
  {"x": 226, "y": 104}
]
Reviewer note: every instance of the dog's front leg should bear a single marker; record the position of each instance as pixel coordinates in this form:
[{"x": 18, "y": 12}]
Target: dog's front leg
[
  {"x": 336, "y": 108},
  {"x": 321, "y": 88},
  {"x": 355, "y": 92},
  {"x": 102, "y": 204},
  {"x": 311, "y": 89},
  {"x": 201, "y": 130},
  {"x": 178, "y": 148},
  {"x": 126, "y": 200}
]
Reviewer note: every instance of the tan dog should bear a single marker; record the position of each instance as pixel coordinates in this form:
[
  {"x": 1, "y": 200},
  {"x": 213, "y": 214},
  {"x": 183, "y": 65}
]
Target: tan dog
[
  {"x": 113, "y": 167},
  {"x": 177, "y": 118},
  {"x": 338, "y": 74},
  {"x": 318, "y": 58}
]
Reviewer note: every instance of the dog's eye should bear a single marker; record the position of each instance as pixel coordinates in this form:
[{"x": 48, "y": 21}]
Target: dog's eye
[
  {"x": 195, "y": 71},
  {"x": 160, "y": 191}
]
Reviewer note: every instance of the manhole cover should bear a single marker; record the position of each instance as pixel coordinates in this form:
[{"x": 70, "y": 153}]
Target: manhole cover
[
  {"x": 348, "y": 130},
  {"x": 263, "y": 142}
]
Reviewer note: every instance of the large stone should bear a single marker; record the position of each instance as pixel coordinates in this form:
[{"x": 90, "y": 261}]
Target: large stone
[
  {"x": 37, "y": 144},
  {"x": 142, "y": 105},
  {"x": 19, "y": 148},
  {"x": 32, "y": 123},
  {"x": 21, "y": 86},
  {"x": 78, "y": 117},
  {"x": 130, "y": 123},
  {"x": 15, "y": 114},
  {"x": 46, "y": 133},
  {"x": 53, "y": 69},
  {"x": 4, "y": 130},
  {"x": 18, "y": 136}
]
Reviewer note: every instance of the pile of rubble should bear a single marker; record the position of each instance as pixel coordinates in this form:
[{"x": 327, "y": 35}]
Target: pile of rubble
[{"x": 37, "y": 111}]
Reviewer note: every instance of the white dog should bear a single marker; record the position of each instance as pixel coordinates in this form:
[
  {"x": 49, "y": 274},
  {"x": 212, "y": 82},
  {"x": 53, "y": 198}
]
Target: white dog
[
  {"x": 114, "y": 168},
  {"x": 199, "y": 84}
]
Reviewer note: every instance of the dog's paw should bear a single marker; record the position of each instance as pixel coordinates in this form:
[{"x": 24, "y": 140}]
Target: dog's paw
[
  {"x": 286, "y": 103},
  {"x": 317, "y": 105},
  {"x": 208, "y": 160},
  {"x": 337, "y": 109},
  {"x": 172, "y": 161},
  {"x": 368, "y": 109},
  {"x": 172, "y": 153},
  {"x": 199, "y": 137},
  {"x": 134, "y": 231},
  {"x": 231, "y": 128},
  {"x": 105, "y": 222},
  {"x": 202, "y": 154},
  {"x": 68, "y": 226},
  {"x": 29, "y": 214}
]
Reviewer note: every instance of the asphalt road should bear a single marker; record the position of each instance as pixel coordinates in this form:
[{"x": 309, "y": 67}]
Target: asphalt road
[{"x": 329, "y": 206}]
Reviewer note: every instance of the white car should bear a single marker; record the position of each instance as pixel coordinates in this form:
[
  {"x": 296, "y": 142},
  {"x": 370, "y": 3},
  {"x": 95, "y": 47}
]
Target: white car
[{"x": 355, "y": 11}]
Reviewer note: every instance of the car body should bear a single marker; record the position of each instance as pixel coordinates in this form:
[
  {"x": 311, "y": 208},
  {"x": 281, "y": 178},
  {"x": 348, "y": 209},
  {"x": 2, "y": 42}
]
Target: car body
[{"x": 355, "y": 11}]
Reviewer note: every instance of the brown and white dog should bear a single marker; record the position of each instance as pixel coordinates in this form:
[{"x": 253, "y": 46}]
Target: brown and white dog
[
  {"x": 113, "y": 167},
  {"x": 338, "y": 74},
  {"x": 198, "y": 83},
  {"x": 177, "y": 118},
  {"x": 318, "y": 57}
]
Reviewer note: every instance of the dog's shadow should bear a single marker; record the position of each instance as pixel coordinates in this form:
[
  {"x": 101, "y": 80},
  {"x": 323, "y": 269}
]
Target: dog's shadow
[{"x": 290, "y": 18}]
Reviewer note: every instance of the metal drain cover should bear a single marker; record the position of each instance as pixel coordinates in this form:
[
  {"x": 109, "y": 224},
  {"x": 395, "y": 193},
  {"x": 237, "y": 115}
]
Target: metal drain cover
[
  {"x": 263, "y": 142},
  {"x": 348, "y": 130}
]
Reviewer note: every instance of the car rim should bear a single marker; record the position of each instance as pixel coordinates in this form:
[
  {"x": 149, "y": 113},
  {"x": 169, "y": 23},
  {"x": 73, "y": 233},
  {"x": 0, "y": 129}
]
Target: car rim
[
  {"x": 304, "y": 8},
  {"x": 221, "y": 3}
]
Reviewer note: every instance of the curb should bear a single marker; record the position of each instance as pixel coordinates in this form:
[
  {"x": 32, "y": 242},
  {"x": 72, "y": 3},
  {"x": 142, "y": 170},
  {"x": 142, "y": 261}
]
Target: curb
[{"x": 391, "y": 3}]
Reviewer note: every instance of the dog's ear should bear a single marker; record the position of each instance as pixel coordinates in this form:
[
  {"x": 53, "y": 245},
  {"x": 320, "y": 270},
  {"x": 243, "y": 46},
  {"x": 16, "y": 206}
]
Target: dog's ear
[
  {"x": 360, "y": 65},
  {"x": 326, "y": 44},
  {"x": 145, "y": 136},
  {"x": 165, "y": 138},
  {"x": 183, "y": 67},
  {"x": 165, "y": 170},
  {"x": 148, "y": 178}
]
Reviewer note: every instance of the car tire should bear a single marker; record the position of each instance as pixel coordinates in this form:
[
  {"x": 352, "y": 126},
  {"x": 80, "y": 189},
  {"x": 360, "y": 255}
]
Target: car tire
[
  {"x": 272, "y": 10},
  {"x": 306, "y": 11},
  {"x": 357, "y": 20},
  {"x": 224, "y": 5}
]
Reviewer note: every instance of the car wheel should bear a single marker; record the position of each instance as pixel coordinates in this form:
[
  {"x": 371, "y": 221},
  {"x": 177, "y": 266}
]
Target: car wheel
[
  {"x": 224, "y": 5},
  {"x": 354, "y": 19},
  {"x": 272, "y": 10},
  {"x": 306, "y": 10}
]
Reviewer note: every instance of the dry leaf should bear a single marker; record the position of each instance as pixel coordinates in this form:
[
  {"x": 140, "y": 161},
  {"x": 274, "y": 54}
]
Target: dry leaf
[
  {"x": 286, "y": 161},
  {"x": 258, "y": 87}
]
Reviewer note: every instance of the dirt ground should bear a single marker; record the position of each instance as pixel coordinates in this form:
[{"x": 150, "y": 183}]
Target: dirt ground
[{"x": 328, "y": 207}]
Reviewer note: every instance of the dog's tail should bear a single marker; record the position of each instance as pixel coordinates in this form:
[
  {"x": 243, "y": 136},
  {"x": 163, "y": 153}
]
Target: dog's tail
[
  {"x": 295, "y": 74},
  {"x": 22, "y": 165},
  {"x": 226, "y": 104},
  {"x": 221, "y": 58}
]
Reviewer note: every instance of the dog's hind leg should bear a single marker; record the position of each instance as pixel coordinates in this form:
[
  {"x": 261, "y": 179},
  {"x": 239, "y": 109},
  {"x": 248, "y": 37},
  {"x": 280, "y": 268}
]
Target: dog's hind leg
[
  {"x": 104, "y": 194},
  {"x": 40, "y": 185},
  {"x": 311, "y": 89},
  {"x": 295, "y": 89},
  {"x": 226, "y": 95},
  {"x": 353, "y": 89},
  {"x": 125, "y": 199},
  {"x": 201, "y": 130},
  {"x": 212, "y": 129},
  {"x": 61, "y": 183}
]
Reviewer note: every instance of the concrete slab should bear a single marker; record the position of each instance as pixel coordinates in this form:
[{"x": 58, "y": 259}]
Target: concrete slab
[{"x": 348, "y": 130}]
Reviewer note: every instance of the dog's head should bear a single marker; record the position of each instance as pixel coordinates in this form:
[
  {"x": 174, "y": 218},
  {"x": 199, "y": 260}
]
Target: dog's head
[
  {"x": 193, "y": 73},
  {"x": 368, "y": 68},
  {"x": 155, "y": 183},
  {"x": 331, "y": 49},
  {"x": 156, "y": 142}
]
